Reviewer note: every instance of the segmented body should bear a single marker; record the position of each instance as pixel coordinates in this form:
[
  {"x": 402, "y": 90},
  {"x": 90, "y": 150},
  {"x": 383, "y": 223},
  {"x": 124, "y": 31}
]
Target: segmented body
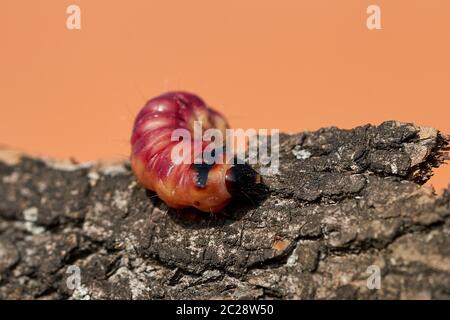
[{"x": 178, "y": 185}]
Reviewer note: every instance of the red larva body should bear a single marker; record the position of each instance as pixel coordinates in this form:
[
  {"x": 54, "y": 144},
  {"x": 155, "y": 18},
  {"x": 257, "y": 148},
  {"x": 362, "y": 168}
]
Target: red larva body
[{"x": 151, "y": 159}]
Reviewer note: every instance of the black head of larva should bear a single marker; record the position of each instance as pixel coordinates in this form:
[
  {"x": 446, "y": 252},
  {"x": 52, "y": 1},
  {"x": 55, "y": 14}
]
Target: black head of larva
[{"x": 241, "y": 179}]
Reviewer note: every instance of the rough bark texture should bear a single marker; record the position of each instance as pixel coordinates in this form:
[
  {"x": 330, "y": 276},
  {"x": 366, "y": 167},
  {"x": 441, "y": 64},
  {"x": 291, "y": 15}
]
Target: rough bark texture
[{"x": 343, "y": 200}]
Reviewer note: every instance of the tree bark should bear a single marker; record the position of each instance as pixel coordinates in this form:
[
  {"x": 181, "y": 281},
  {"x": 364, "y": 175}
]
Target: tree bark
[{"x": 344, "y": 205}]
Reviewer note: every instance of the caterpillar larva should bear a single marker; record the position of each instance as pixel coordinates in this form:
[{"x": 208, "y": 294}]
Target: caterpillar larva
[{"x": 207, "y": 187}]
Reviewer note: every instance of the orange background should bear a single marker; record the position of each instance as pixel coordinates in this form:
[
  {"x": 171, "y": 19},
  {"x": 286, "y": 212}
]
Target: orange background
[{"x": 288, "y": 64}]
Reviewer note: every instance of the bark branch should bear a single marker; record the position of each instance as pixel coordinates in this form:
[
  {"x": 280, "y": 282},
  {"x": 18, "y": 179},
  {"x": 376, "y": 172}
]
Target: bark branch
[{"x": 344, "y": 200}]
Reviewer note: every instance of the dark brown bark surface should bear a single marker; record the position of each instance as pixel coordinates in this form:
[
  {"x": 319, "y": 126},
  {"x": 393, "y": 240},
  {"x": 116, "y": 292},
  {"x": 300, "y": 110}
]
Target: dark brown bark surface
[{"x": 344, "y": 200}]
